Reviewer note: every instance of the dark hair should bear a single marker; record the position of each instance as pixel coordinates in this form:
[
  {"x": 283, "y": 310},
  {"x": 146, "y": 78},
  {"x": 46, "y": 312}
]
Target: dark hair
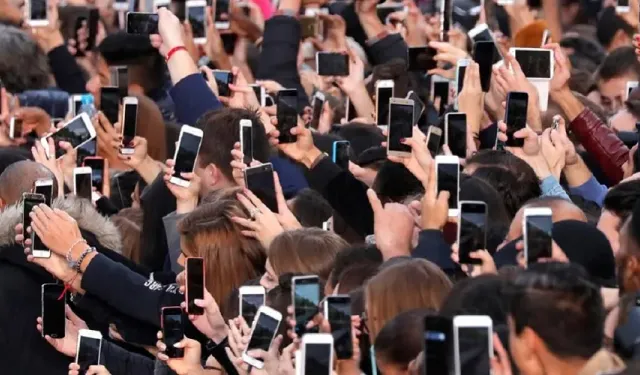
[
  {"x": 608, "y": 25},
  {"x": 279, "y": 299},
  {"x": 310, "y": 208},
  {"x": 482, "y": 295},
  {"x": 221, "y": 131},
  {"x": 401, "y": 339},
  {"x": 621, "y": 199},
  {"x": 23, "y": 64},
  {"x": 396, "y": 70},
  {"x": 590, "y": 208},
  {"x": 473, "y": 188},
  {"x": 582, "y": 81},
  {"x": 583, "y": 48},
  {"x": 556, "y": 301},
  {"x": 361, "y": 136},
  {"x": 619, "y": 62},
  {"x": 513, "y": 192},
  {"x": 353, "y": 255},
  {"x": 395, "y": 183},
  {"x": 355, "y": 276}
]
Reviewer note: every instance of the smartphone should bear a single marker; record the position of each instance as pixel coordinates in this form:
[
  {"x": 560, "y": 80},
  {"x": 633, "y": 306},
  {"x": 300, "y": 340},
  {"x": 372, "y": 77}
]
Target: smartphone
[
  {"x": 445, "y": 20},
  {"x": 473, "y": 334},
  {"x": 110, "y": 102},
  {"x": 384, "y": 93},
  {"x": 37, "y": 14},
  {"x": 261, "y": 94},
  {"x": 251, "y": 299},
  {"x": 332, "y": 64},
  {"x": 622, "y": 6},
  {"x": 630, "y": 86},
  {"x": 44, "y": 186},
  {"x": 516, "y": 116},
  {"x": 340, "y": 154},
  {"x": 223, "y": 79},
  {"x": 52, "y": 305},
  {"x": 97, "y": 165},
  {"x": 309, "y": 27},
  {"x": 480, "y": 33},
  {"x": 545, "y": 37},
  {"x": 537, "y": 228},
  {"x": 472, "y": 230},
  {"x": 418, "y": 106},
  {"x": 263, "y": 331},
  {"x": 196, "y": 11},
  {"x": 246, "y": 140},
  {"x": 29, "y": 201},
  {"x": 186, "y": 154},
  {"x": 122, "y": 74},
  {"x": 448, "y": 179},
  {"x": 287, "y": 114},
  {"x": 385, "y": 9},
  {"x": 142, "y": 23},
  {"x": 318, "y": 105},
  {"x": 461, "y": 69},
  {"x": 535, "y": 62},
  {"x": 195, "y": 284},
  {"x": 420, "y": 59},
  {"x": 440, "y": 89},
  {"x": 129, "y": 124},
  {"x": 438, "y": 338},
  {"x": 82, "y": 178},
  {"x": 434, "y": 137},
  {"x": 75, "y": 102},
  {"x": 121, "y": 5},
  {"x": 157, "y": 4},
  {"x": 483, "y": 54},
  {"x": 400, "y": 126},
  {"x": 15, "y": 128},
  {"x": 317, "y": 353},
  {"x": 221, "y": 15},
  {"x": 305, "y": 297},
  {"x": 88, "y": 350},
  {"x": 337, "y": 309},
  {"x": 259, "y": 180},
  {"x": 172, "y": 330},
  {"x": 78, "y": 131},
  {"x": 455, "y": 133},
  {"x": 351, "y": 110}
]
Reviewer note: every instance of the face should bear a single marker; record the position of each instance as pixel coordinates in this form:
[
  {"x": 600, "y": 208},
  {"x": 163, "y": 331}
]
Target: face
[
  {"x": 623, "y": 121},
  {"x": 612, "y": 92},
  {"x": 609, "y": 224},
  {"x": 269, "y": 280},
  {"x": 517, "y": 347}
]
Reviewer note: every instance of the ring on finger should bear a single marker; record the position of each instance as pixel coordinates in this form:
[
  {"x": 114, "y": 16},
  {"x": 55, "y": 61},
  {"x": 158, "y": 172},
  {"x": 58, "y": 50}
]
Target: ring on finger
[{"x": 254, "y": 211}]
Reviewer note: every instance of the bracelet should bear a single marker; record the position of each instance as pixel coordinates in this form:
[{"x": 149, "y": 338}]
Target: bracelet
[
  {"x": 84, "y": 254},
  {"x": 68, "y": 256},
  {"x": 173, "y": 50}
]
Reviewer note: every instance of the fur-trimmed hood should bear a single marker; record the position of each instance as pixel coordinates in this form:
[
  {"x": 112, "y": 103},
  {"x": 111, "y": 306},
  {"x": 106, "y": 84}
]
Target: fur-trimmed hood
[{"x": 88, "y": 218}]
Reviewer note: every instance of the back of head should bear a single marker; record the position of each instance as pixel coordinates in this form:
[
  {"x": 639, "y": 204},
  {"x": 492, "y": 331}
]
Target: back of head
[
  {"x": 20, "y": 177},
  {"x": 395, "y": 70},
  {"x": 482, "y": 295},
  {"x": 151, "y": 126},
  {"x": 609, "y": 24},
  {"x": 514, "y": 194},
  {"x": 620, "y": 62},
  {"x": 621, "y": 198},
  {"x": 557, "y": 303},
  {"x": 310, "y": 208},
  {"x": 23, "y": 64},
  {"x": 561, "y": 208},
  {"x": 583, "y": 48},
  {"x": 129, "y": 224},
  {"x": 361, "y": 136},
  {"x": 477, "y": 189},
  {"x": 395, "y": 183},
  {"x": 351, "y": 256}
]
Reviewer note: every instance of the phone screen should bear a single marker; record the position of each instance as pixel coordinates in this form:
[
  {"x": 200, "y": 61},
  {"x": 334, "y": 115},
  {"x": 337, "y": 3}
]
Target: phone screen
[
  {"x": 88, "y": 353},
  {"x": 538, "y": 241},
  {"x": 483, "y": 36},
  {"x": 445, "y": 20},
  {"x": 17, "y": 127},
  {"x": 195, "y": 284},
  {"x": 247, "y": 143},
  {"x": 473, "y": 231},
  {"x": 287, "y": 114},
  {"x": 187, "y": 153},
  {"x": 83, "y": 185},
  {"x": 74, "y": 132},
  {"x": 457, "y": 134},
  {"x": 122, "y": 72},
  {"x": 222, "y": 12},
  {"x": 474, "y": 340},
  {"x": 97, "y": 172},
  {"x": 333, "y": 64},
  {"x": 317, "y": 359},
  {"x": 400, "y": 126},
  {"x": 250, "y": 305},
  {"x": 340, "y": 322},
  {"x": 461, "y": 71},
  {"x": 223, "y": 79},
  {"x": 448, "y": 175},
  {"x": 142, "y": 23},
  {"x": 47, "y": 191},
  {"x": 306, "y": 294},
  {"x": 172, "y": 331},
  {"x": 535, "y": 63},
  {"x": 341, "y": 154},
  {"x": 418, "y": 107},
  {"x": 421, "y": 59},
  {"x": 483, "y": 55},
  {"x": 441, "y": 90},
  {"x": 317, "y": 112},
  {"x": 130, "y": 121},
  {"x": 263, "y": 333},
  {"x": 260, "y": 181},
  {"x": 383, "y": 97},
  {"x": 77, "y": 104},
  {"x": 196, "y": 19},
  {"x": 437, "y": 338},
  {"x": 38, "y": 10},
  {"x": 28, "y": 204},
  {"x": 110, "y": 103},
  {"x": 516, "y": 116},
  {"x": 434, "y": 143},
  {"x": 257, "y": 89},
  {"x": 53, "y": 314}
]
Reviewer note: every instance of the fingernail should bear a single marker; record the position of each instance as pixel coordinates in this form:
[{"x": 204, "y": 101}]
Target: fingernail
[{"x": 403, "y": 139}]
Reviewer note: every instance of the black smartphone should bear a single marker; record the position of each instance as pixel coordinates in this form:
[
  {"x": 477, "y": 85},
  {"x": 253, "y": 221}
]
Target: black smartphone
[
  {"x": 45, "y": 187},
  {"x": 456, "y": 133},
  {"x": 332, "y": 64},
  {"x": 516, "y": 116},
  {"x": 259, "y": 180},
  {"x": 421, "y": 59},
  {"x": 97, "y": 171},
  {"x": 287, "y": 114},
  {"x": 306, "y": 297},
  {"x": 246, "y": 140},
  {"x": 538, "y": 230},
  {"x": 441, "y": 90},
  {"x": 29, "y": 201},
  {"x": 52, "y": 310},
  {"x": 483, "y": 55},
  {"x": 338, "y": 310},
  {"x": 400, "y": 125},
  {"x": 318, "y": 105},
  {"x": 172, "y": 330},
  {"x": 472, "y": 230},
  {"x": 445, "y": 20},
  {"x": 384, "y": 10},
  {"x": 122, "y": 74},
  {"x": 142, "y": 23},
  {"x": 636, "y": 156},
  {"x": 448, "y": 179},
  {"x": 438, "y": 332},
  {"x": 462, "y": 69},
  {"x": 195, "y": 285},
  {"x": 110, "y": 102},
  {"x": 340, "y": 154},
  {"x": 223, "y": 79},
  {"x": 418, "y": 107},
  {"x": 434, "y": 138}
]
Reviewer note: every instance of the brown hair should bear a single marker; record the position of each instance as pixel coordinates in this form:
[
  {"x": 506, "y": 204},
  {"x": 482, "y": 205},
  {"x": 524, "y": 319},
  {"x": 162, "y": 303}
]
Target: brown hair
[
  {"x": 230, "y": 258},
  {"x": 306, "y": 251},
  {"x": 151, "y": 126},
  {"x": 411, "y": 284},
  {"x": 129, "y": 224}
]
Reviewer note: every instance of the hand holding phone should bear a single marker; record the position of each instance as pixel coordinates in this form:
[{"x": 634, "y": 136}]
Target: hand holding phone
[
  {"x": 260, "y": 181},
  {"x": 306, "y": 297},
  {"x": 186, "y": 154},
  {"x": 142, "y": 23},
  {"x": 287, "y": 114},
  {"x": 172, "y": 330}
]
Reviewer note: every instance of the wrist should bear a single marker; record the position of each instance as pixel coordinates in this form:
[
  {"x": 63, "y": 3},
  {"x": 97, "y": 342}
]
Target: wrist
[
  {"x": 310, "y": 157},
  {"x": 540, "y": 166},
  {"x": 184, "y": 206},
  {"x": 56, "y": 41}
]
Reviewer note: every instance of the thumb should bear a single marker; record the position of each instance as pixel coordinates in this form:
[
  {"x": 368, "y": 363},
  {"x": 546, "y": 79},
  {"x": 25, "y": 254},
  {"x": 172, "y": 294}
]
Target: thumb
[
  {"x": 75, "y": 319},
  {"x": 374, "y": 201}
]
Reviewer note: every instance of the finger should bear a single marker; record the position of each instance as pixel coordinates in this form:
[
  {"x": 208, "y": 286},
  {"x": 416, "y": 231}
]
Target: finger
[
  {"x": 374, "y": 201},
  {"x": 282, "y": 202}
]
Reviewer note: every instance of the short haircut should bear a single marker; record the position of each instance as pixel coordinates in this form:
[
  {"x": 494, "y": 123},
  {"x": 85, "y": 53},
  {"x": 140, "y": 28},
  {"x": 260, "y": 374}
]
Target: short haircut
[
  {"x": 222, "y": 130},
  {"x": 584, "y": 48},
  {"x": 310, "y": 208},
  {"x": 514, "y": 192},
  {"x": 359, "y": 254},
  {"x": 561, "y": 306},
  {"x": 621, "y": 199},
  {"x": 619, "y": 62},
  {"x": 401, "y": 340},
  {"x": 609, "y": 23},
  {"x": 23, "y": 64},
  {"x": 482, "y": 295},
  {"x": 20, "y": 178},
  {"x": 395, "y": 183},
  {"x": 395, "y": 70}
]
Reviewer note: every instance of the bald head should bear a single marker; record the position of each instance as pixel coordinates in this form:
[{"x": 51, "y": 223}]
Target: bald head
[
  {"x": 20, "y": 177},
  {"x": 561, "y": 210}
]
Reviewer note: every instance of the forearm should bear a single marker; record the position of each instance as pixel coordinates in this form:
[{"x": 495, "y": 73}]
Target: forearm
[
  {"x": 222, "y": 61},
  {"x": 569, "y": 104},
  {"x": 361, "y": 101},
  {"x": 577, "y": 174},
  {"x": 551, "y": 188},
  {"x": 181, "y": 65},
  {"x": 371, "y": 25},
  {"x": 149, "y": 169},
  {"x": 552, "y": 17}
]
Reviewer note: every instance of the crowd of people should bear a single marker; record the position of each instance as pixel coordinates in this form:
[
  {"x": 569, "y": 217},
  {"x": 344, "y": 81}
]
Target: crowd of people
[{"x": 376, "y": 230}]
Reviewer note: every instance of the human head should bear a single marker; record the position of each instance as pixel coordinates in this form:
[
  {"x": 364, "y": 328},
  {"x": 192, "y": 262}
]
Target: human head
[
  {"x": 628, "y": 257},
  {"x": 310, "y": 208},
  {"x": 129, "y": 224},
  {"x": 23, "y": 64},
  {"x": 310, "y": 251},
  {"x": 625, "y": 119},
  {"x": 612, "y": 30},
  {"x": 394, "y": 183},
  {"x": 617, "y": 207},
  {"x": 395, "y": 70},
  {"x": 423, "y": 285},
  {"x": 561, "y": 209},
  {"x": 351, "y": 256},
  {"x": 473, "y": 188},
  {"x": 619, "y": 67},
  {"x": 230, "y": 258},
  {"x": 20, "y": 178},
  {"x": 585, "y": 49},
  {"x": 150, "y": 126},
  {"x": 555, "y": 315}
]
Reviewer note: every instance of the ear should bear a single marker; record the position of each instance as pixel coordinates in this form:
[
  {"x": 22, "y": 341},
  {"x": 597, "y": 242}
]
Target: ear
[
  {"x": 535, "y": 353},
  {"x": 214, "y": 175}
]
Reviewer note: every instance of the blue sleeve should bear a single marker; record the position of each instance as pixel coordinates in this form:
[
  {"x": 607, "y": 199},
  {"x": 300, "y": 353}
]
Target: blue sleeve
[
  {"x": 551, "y": 188},
  {"x": 591, "y": 190},
  {"x": 433, "y": 247},
  {"x": 291, "y": 176},
  {"x": 193, "y": 98}
]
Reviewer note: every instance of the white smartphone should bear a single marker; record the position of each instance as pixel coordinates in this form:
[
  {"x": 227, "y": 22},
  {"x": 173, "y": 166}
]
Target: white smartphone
[
  {"x": 536, "y": 63},
  {"x": 121, "y": 5},
  {"x": 196, "y": 11},
  {"x": 29, "y": 201},
  {"x": 246, "y": 140},
  {"x": 622, "y": 6},
  {"x": 44, "y": 186},
  {"x": 505, "y": 2},
  {"x": 88, "y": 349},
  {"x": 157, "y": 4},
  {"x": 461, "y": 69},
  {"x": 630, "y": 86},
  {"x": 77, "y": 131},
  {"x": 15, "y": 128},
  {"x": 82, "y": 182},
  {"x": 434, "y": 136},
  {"x": 448, "y": 179},
  {"x": 317, "y": 353},
  {"x": 473, "y": 334},
  {"x": 186, "y": 153},
  {"x": 261, "y": 94},
  {"x": 251, "y": 299},
  {"x": 545, "y": 37},
  {"x": 480, "y": 33},
  {"x": 36, "y": 13},
  {"x": 318, "y": 106},
  {"x": 75, "y": 102},
  {"x": 400, "y": 126},
  {"x": 264, "y": 329},
  {"x": 384, "y": 93},
  {"x": 537, "y": 228},
  {"x": 128, "y": 123},
  {"x": 305, "y": 294},
  {"x": 221, "y": 14}
]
